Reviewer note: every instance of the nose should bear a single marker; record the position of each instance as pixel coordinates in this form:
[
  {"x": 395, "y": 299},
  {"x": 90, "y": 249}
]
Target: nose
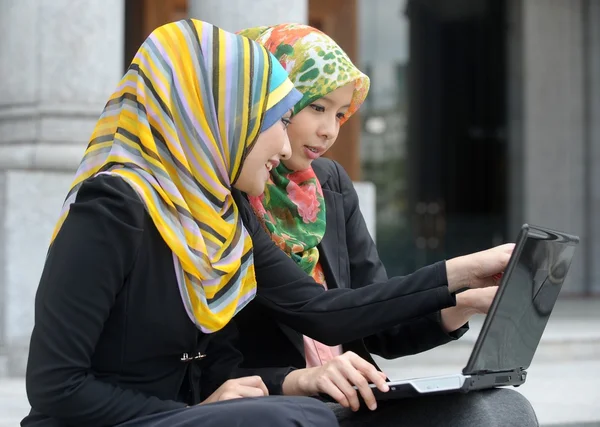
[
  {"x": 329, "y": 128},
  {"x": 286, "y": 149}
]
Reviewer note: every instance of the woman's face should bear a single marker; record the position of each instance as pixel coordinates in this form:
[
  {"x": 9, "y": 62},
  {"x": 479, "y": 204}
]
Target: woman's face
[
  {"x": 272, "y": 144},
  {"x": 315, "y": 128}
]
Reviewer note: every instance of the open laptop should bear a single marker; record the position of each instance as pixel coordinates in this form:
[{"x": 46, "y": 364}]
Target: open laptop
[{"x": 515, "y": 322}]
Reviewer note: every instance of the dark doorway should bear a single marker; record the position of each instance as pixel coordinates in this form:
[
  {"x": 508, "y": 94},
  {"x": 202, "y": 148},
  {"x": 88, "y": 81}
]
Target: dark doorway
[
  {"x": 456, "y": 128},
  {"x": 456, "y": 149}
]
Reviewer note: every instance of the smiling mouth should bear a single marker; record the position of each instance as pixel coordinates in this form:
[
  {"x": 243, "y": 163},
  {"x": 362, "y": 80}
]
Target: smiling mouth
[
  {"x": 314, "y": 150},
  {"x": 270, "y": 165}
]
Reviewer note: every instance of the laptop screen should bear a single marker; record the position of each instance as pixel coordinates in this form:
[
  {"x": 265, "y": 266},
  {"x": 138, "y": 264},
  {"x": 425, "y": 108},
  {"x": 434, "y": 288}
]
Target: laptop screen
[{"x": 526, "y": 296}]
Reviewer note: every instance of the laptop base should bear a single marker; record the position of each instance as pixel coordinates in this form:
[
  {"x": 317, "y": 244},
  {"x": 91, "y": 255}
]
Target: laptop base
[{"x": 450, "y": 384}]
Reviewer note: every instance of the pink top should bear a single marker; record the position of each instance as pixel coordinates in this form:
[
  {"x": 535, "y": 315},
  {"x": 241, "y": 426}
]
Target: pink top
[{"x": 317, "y": 353}]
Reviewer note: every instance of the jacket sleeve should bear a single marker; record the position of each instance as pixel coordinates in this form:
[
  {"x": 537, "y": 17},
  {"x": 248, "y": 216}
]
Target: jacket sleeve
[
  {"x": 297, "y": 300},
  {"x": 225, "y": 360},
  {"x": 408, "y": 337},
  {"x": 85, "y": 268}
]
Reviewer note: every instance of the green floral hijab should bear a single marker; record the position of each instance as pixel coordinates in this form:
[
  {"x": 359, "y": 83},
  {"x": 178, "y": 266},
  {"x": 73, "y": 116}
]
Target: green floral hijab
[
  {"x": 315, "y": 63},
  {"x": 292, "y": 207}
]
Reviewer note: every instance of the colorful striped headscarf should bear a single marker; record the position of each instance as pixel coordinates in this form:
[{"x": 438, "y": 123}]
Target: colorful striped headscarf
[
  {"x": 292, "y": 207},
  {"x": 177, "y": 129}
]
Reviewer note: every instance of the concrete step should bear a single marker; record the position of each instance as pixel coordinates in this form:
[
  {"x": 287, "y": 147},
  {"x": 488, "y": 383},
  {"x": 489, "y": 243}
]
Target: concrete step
[
  {"x": 563, "y": 340},
  {"x": 13, "y": 401},
  {"x": 563, "y": 382},
  {"x": 592, "y": 424},
  {"x": 560, "y": 392},
  {"x": 3, "y": 366}
]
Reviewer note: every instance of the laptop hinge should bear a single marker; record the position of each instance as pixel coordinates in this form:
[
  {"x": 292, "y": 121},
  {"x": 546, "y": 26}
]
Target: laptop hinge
[{"x": 488, "y": 371}]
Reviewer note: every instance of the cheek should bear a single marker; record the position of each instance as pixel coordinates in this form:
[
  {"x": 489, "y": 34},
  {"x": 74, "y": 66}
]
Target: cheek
[
  {"x": 300, "y": 133},
  {"x": 252, "y": 164},
  {"x": 254, "y": 160},
  {"x": 295, "y": 137},
  {"x": 277, "y": 142},
  {"x": 269, "y": 144}
]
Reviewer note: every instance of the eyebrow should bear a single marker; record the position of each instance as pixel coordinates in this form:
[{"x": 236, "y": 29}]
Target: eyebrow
[{"x": 326, "y": 98}]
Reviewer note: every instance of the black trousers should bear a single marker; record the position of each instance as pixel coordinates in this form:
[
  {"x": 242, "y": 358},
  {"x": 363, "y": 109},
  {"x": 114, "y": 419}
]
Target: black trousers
[
  {"x": 489, "y": 408},
  {"x": 275, "y": 411}
]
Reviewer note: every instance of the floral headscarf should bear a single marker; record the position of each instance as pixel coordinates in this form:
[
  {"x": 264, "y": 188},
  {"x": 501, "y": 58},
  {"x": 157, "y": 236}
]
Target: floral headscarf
[
  {"x": 292, "y": 207},
  {"x": 316, "y": 64}
]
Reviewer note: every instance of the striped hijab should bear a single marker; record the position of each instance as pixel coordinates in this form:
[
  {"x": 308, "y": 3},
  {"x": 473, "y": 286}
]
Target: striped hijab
[{"x": 177, "y": 129}]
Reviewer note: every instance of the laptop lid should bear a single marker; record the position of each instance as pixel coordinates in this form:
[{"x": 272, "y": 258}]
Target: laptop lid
[{"x": 526, "y": 296}]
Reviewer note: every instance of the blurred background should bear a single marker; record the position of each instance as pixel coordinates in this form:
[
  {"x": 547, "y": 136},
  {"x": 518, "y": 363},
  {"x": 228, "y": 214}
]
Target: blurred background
[{"x": 482, "y": 115}]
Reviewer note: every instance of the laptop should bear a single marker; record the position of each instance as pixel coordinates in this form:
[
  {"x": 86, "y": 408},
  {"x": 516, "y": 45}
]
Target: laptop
[{"x": 515, "y": 322}]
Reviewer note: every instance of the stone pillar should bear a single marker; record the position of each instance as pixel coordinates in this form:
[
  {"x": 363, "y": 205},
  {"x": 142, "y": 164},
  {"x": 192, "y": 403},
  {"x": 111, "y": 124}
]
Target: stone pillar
[
  {"x": 592, "y": 43},
  {"x": 235, "y": 15},
  {"x": 59, "y": 62},
  {"x": 367, "y": 201},
  {"x": 547, "y": 123}
]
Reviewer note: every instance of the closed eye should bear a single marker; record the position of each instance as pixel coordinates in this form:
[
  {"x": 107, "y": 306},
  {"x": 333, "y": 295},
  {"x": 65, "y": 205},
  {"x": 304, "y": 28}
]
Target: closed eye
[{"x": 286, "y": 122}]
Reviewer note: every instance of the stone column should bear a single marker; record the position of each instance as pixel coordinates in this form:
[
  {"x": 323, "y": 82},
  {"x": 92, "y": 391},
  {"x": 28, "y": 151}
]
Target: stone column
[
  {"x": 547, "y": 123},
  {"x": 235, "y": 15},
  {"x": 59, "y": 62},
  {"x": 592, "y": 43}
]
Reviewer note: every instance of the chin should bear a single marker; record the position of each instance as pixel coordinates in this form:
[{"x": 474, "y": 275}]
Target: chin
[
  {"x": 305, "y": 165},
  {"x": 257, "y": 190},
  {"x": 298, "y": 165}
]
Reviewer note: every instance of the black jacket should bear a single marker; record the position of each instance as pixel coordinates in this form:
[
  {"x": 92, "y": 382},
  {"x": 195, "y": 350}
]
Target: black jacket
[
  {"x": 350, "y": 260},
  {"x": 111, "y": 330}
]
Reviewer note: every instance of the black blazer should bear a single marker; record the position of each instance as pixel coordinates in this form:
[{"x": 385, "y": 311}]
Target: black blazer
[
  {"x": 350, "y": 260},
  {"x": 111, "y": 331}
]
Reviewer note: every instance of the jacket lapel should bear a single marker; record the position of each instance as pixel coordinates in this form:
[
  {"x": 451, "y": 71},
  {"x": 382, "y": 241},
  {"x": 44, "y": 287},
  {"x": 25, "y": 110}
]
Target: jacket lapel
[{"x": 328, "y": 248}]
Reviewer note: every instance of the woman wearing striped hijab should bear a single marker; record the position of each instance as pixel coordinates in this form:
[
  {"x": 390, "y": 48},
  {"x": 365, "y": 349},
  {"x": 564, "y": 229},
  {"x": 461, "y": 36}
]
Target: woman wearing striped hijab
[
  {"x": 149, "y": 222},
  {"x": 157, "y": 248}
]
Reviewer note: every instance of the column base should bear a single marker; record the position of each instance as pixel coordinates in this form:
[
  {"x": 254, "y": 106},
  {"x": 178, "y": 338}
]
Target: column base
[{"x": 30, "y": 205}]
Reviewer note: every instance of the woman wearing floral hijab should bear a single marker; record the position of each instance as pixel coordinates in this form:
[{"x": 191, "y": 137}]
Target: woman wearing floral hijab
[{"x": 310, "y": 209}]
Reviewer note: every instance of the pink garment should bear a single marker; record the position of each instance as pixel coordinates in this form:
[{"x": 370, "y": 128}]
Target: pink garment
[{"x": 316, "y": 353}]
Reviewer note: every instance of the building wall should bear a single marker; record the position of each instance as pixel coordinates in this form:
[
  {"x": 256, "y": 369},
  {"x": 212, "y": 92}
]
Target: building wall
[
  {"x": 592, "y": 149},
  {"x": 59, "y": 61},
  {"x": 553, "y": 110},
  {"x": 235, "y": 15}
]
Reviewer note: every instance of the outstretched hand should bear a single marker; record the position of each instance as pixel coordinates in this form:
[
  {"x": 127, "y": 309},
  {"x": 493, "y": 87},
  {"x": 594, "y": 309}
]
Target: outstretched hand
[{"x": 480, "y": 269}]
